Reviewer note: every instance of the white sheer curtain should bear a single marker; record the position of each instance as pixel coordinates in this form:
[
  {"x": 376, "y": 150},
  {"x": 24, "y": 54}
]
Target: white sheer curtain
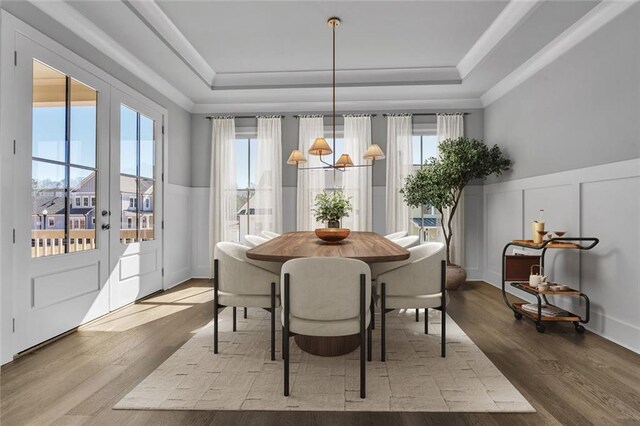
[
  {"x": 310, "y": 182},
  {"x": 399, "y": 166},
  {"x": 267, "y": 200},
  {"x": 223, "y": 220},
  {"x": 357, "y": 181},
  {"x": 451, "y": 126}
]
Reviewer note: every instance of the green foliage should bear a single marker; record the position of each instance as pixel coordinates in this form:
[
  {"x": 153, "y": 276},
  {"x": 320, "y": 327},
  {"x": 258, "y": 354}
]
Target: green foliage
[
  {"x": 332, "y": 206},
  {"x": 440, "y": 181}
]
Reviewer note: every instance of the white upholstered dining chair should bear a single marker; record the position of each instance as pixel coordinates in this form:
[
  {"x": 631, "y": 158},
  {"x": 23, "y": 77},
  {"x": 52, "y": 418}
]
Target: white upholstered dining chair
[
  {"x": 415, "y": 283},
  {"x": 395, "y": 235},
  {"x": 408, "y": 241},
  {"x": 269, "y": 235},
  {"x": 240, "y": 281},
  {"x": 326, "y": 296},
  {"x": 254, "y": 240}
]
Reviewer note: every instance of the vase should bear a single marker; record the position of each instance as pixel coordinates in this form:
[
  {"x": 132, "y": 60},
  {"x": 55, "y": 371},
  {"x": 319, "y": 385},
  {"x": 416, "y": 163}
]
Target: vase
[
  {"x": 333, "y": 224},
  {"x": 456, "y": 276}
]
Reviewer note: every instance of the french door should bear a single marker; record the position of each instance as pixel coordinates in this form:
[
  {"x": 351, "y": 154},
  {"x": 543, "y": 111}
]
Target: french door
[
  {"x": 136, "y": 213},
  {"x": 87, "y": 198}
]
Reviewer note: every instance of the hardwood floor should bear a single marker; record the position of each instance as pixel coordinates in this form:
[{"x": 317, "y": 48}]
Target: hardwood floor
[{"x": 570, "y": 379}]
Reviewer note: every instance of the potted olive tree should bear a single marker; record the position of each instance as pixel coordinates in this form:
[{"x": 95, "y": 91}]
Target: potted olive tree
[{"x": 440, "y": 181}]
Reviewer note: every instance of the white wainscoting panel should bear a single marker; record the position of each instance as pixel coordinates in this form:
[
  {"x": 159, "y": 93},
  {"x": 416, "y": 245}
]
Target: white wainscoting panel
[
  {"x": 200, "y": 232},
  {"x": 178, "y": 234},
  {"x": 601, "y": 201},
  {"x": 473, "y": 220}
]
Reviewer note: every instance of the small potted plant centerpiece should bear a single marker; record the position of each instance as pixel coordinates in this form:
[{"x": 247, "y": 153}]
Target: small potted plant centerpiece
[
  {"x": 439, "y": 182},
  {"x": 331, "y": 207}
]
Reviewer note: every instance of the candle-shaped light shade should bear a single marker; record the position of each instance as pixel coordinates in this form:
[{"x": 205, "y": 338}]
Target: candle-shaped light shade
[
  {"x": 320, "y": 147},
  {"x": 344, "y": 161},
  {"x": 296, "y": 158},
  {"x": 374, "y": 152}
]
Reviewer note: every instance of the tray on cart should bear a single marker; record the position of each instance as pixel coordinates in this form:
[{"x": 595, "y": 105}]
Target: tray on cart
[
  {"x": 552, "y": 244},
  {"x": 534, "y": 316},
  {"x": 533, "y": 290}
]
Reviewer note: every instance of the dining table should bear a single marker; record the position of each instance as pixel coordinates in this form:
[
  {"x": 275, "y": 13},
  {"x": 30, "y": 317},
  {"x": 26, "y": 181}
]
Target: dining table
[{"x": 368, "y": 247}]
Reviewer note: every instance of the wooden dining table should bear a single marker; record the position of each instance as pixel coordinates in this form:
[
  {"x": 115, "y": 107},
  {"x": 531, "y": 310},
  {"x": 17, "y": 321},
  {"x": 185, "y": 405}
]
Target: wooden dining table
[{"x": 368, "y": 247}]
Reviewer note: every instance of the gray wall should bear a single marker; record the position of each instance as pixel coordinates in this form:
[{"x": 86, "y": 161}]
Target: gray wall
[
  {"x": 201, "y": 142},
  {"x": 178, "y": 155},
  {"x": 582, "y": 110}
]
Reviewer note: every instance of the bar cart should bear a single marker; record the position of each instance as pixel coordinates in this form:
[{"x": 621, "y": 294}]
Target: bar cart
[{"x": 515, "y": 269}]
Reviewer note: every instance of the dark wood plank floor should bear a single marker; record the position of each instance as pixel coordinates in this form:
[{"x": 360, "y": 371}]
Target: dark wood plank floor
[{"x": 570, "y": 379}]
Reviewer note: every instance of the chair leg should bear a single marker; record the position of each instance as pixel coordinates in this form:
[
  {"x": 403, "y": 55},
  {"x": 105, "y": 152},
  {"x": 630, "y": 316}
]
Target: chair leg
[
  {"x": 369, "y": 341},
  {"x": 234, "y": 318},
  {"x": 363, "y": 313},
  {"x": 373, "y": 312},
  {"x": 417, "y": 315},
  {"x": 245, "y": 313},
  {"x": 215, "y": 306},
  {"x": 443, "y": 302},
  {"x": 426, "y": 320},
  {"x": 285, "y": 335},
  {"x": 383, "y": 314},
  {"x": 273, "y": 321}
]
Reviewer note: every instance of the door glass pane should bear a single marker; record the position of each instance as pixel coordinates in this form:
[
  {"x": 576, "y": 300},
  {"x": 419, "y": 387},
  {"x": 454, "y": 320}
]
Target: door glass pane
[
  {"x": 83, "y": 124},
  {"x": 147, "y": 145},
  {"x": 242, "y": 163},
  {"x": 48, "y": 209},
  {"x": 429, "y": 147},
  {"x": 82, "y": 231},
  {"x": 49, "y": 113},
  {"x": 146, "y": 203},
  {"x": 128, "y": 209},
  {"x": 128, "y": 141},
  {"x": 416, "y": 151},
  {"x": 253, "y": 162}
]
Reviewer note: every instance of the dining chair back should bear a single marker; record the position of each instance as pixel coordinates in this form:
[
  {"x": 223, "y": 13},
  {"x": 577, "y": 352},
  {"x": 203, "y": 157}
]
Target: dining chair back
[
  {"x": 254, "y": 240},
  {"x": 395, "y": 235},
  {"x": 326, "y": 296},
  {"x": 269, "y": 235},
  {"x": 416, "y": 283},
  {"x": 240, "y": 281},
  {"x": 408, "y": 241}
]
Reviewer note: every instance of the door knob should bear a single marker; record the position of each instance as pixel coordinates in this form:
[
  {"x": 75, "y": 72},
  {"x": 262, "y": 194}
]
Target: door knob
[
  {"x": 106, "y": 226},
  {"x": 105, "y": 213}
]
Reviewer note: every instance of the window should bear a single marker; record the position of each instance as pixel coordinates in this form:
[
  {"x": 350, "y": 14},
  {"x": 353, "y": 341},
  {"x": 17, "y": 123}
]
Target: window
[
  {"x": 147, "y": 203},
  {"x": 85, "y": 201},
  {"x": 329, "y": 174},
  {"x": 63, "y": 156},
  {"x": 425, "y": 218},
  {"x": 424, "y": 147},
  {"x": 246, "y": 170},
  {"x": 93, "y": 201},
  {"x": 137, "y": 173}
]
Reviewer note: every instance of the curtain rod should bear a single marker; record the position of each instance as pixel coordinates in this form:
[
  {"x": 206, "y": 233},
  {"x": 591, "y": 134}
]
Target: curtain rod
[
  {"x": 211, "y": 117},
  {"x": 425, "y": 113},
  {"x": 337, "y": 115}
]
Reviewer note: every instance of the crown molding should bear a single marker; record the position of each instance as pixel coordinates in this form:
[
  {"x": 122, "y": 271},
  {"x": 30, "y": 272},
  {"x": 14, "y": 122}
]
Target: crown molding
[
  {"x": 597, "y": 17},
  {"x": 352, "y": 106},
  {"x": 346, "y": 78},
  {"x": 514, "y": 13},
  {"x": 73, "y": 20},
  {"x": 157, "y": 21}
]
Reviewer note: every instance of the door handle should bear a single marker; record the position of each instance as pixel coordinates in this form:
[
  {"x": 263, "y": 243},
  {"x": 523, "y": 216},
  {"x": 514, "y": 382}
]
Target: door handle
[
  {"x": 106, "y": 226},
  {"x": 105, "y": 213}
]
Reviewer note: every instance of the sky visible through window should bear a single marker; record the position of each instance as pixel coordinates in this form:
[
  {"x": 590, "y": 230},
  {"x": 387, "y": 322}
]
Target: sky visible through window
[{"x": 424, "y": 147}]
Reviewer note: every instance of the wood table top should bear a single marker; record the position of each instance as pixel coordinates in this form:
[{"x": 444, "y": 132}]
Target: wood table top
[{"x": 366, "y": 246}]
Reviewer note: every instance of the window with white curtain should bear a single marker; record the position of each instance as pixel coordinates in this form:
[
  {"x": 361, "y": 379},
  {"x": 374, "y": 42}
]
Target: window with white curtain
[{"x": 339, "y": 149}]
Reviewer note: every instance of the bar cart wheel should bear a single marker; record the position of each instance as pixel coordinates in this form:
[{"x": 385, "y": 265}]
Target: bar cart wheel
[
  {"x": 518, "y": 315},
  {"x": 579, "y": 328},
  {"x": 541, "y": 328}
]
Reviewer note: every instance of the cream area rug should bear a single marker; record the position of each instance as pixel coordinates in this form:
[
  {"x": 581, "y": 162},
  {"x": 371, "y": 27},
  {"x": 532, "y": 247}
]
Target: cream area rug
[{"x": 243, "y": 377}]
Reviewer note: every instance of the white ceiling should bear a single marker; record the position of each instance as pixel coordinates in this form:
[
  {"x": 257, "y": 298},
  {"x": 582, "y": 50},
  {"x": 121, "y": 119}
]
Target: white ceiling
[{"x": 262, "y": 56}]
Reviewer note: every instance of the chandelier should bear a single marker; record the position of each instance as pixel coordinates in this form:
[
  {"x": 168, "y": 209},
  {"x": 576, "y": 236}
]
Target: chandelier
[{"x": 320, "y": 146}]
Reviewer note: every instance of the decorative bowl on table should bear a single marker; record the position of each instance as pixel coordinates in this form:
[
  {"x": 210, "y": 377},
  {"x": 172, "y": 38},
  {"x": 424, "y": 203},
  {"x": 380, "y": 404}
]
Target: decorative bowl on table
[{"x": 332, "y": 235}]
